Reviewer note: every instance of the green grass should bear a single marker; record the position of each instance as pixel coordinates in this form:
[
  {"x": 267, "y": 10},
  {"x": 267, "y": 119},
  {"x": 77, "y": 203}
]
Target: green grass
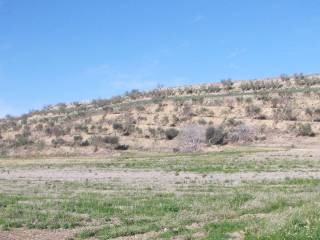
[
  {"x": 19, "y": 211},
  {"x": 221, "y": 210}
]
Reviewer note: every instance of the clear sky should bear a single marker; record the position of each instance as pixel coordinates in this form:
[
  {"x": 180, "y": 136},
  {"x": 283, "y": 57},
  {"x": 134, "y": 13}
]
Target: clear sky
[{"x": 69, "y": 50}]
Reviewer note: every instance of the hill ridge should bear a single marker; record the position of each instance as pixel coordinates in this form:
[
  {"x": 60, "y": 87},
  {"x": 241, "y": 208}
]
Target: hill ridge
[{"x": 246, "y": 111}]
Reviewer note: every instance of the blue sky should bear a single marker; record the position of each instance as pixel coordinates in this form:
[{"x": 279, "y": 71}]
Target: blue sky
[{"x": 69, "y": 50}]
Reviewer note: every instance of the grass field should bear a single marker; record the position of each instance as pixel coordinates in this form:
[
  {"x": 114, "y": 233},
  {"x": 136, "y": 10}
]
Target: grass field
[{"x": 248, "y": 193}]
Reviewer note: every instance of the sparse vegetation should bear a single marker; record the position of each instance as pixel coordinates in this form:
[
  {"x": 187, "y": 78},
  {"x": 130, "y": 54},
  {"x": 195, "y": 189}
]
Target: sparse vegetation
[
  {"x": 269, "y": 204},
  {"x": 150, "y": 115}
]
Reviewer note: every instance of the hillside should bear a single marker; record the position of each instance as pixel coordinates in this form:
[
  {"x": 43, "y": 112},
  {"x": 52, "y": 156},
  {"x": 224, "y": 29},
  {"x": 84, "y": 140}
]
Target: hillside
[{"x": 276, "y": 111}]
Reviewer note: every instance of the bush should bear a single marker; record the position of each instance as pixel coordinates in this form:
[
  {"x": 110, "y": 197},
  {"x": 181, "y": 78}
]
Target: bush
[
  {"x": 96, "y": 140},
  {"x": 85, "y": 143},
  {"x": 128, "y": 129},
  {"x": 117, "y": 126},
  {"x": 308, "y": 112},
  {"x": 58, "y": 142},
  {"x": 242, "y": 133},
  {"x": 213, "y": 89},
  {"x": 171, "y": 133},
  {"x": 253, "y": 110},
  {"x": 305, "y": 130},
  {"x": 288, "y": 114},
  {"x": 22, "y": 140},
  {"x": 121, "y": 147},
  {"x": 111, "y": 139},
  {"x": 275, "y": 102},
  {"x": 202, "y": 121},
  {"x": 77, "y": 139},
  {"x": 215, "y": 136},
  {"x": 227, "y": 84},
  {"x": 80, "y": 128}
]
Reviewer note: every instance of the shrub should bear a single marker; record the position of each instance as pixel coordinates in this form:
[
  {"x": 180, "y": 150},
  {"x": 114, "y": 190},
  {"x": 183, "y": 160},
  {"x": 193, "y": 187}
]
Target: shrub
[
  {"x": 40, "y": 145},
  {"x": 284, "y": 78},
  {"x": 81, "y": 128},
  {"x": 202, "y": 121},
  {"x": 128, "y": 129},
  {"x": 299, "y": 79},
  {"x": 58, "y": 131},
  {"x": 265, "y": 97},
  {"x": 305, "y": 130},
  {"x": 39, "y": 127},
  {"x": 288, "y": 114},
  {"x": 242, "y": 133},
  {"x": 117, "y": 126},
  {"x": 317, "y": 111},
  {"x": 308, "y": 112},
  {"x": 248, "y": 100},
  {"x": 153, "y": 132},
  {"x": 165, "y": 120},
  {"x": 85, "y": 143},
  {"x": 215, "y": 136},
  {"x": 227, "y": 84},
  {"x": 111, "y": 140},
  {"x": 22, "y": 140},
  {"x": 107, "y": 109},
  {"x": 77, "y": 139},
  {"x": 232, "y": 122},
  {"x": 191, "y": 137},
  {"x": 159, "y": 99},
  {"x": 245, "y": 86},
  {"x": 213, "y": 89},
  {"x": 58, "y": 142},
  {"x": 121, "y": 147},
  {"x": 253, "y": 110},
  {"x": 140, "y": 108},
  {"x": 274, "y": 102},
  {"x": 96, "y": 140},
  {"x": 187, "y": 111},
  {"x": 171, "y": 133}
]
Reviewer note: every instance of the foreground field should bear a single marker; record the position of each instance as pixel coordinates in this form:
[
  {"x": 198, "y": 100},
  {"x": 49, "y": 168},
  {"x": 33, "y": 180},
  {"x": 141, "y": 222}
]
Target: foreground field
[{"x": 244, "y": 193}]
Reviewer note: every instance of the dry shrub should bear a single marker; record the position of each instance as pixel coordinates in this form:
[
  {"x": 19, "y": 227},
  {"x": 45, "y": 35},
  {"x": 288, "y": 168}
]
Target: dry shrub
[
  {"x": 242, "y": 134},
  {"x": 191, "y": 137}
]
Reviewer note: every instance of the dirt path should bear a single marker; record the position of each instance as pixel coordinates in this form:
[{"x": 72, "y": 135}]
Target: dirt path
[
  {"x": 35, "y": 234},
  {"x": 152, "y": 176}
]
